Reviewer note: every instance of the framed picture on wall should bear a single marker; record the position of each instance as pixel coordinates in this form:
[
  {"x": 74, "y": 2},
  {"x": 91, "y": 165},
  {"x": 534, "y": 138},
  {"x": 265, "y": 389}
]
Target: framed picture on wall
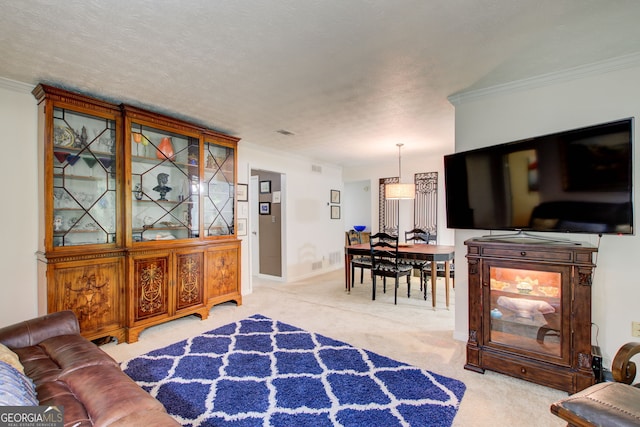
[
  {"x": 265, "y": 208},
  {"x": 265, "y": 187},
  {"x": 335, "y": 196},
  {"x": 335, "y": 212},
  {"x": 243, "y": 210},
  {"x": 242, "y": 192},
  {"x": 242, "y": 226}
]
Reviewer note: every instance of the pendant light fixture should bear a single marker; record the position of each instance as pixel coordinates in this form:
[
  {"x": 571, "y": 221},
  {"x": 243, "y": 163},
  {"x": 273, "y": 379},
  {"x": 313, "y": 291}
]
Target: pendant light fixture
[{"x": 399, "y": 191}]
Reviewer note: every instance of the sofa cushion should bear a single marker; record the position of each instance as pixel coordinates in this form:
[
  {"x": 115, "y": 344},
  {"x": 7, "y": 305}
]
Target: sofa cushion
[
  {"x": 108, "y": 395},
  {"x": 57, "y": 393},
  {"x": 16, "y": 389},
  {"x": 59, "y": 355},
  {"x": 10, "y": 357}
]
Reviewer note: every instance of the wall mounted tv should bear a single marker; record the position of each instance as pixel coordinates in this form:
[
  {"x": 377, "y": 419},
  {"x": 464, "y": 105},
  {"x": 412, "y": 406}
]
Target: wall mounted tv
[{"x": 577, "y": 181}]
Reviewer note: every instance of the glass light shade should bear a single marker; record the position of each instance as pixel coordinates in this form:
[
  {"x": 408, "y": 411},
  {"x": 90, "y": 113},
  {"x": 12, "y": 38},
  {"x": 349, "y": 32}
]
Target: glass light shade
[{"x": 400, "y": 191}]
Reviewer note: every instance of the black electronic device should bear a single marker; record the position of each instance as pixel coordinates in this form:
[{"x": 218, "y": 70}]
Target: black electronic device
[
  {"x": 577, "y": 181},
  {"x": 596, "y": 363}
]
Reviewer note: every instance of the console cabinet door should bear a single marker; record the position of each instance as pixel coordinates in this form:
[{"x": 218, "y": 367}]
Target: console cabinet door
[
  {"x": 190, "y": 279},
  {"x": 151, "y": 276},
  {"x": 223, "y": 273},
  {"x": 93, "y": 291}
]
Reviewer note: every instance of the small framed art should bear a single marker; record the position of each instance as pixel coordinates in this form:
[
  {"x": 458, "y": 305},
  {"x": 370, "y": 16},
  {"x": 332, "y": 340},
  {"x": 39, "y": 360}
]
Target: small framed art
[
  {"x": 335, "y": 212},
  {"x": 242, "y": 192},
  {"x": 265, "y": 208},
  {"x": 335, "y": 196},
  {"x": 242, "y": 226},
  {"x": 265, "y": 187},
  {"x": 243, "y": 210}
]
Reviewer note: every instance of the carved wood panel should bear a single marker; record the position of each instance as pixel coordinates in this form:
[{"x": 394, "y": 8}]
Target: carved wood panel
[
  {"x": 425, "y": 205},
  {"x": 190, "y": 280},
  {"x": 222, "y": 272},
  {"x": 91, "y": 291},
  {"x": 151, "y": 285},
  {"x": 388, "y": 209}
]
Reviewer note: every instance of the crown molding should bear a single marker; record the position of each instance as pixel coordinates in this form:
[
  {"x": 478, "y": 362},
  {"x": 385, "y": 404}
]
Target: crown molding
[
  {"x": 15, "y": 85},
  {"x": 613, "y": 64}
]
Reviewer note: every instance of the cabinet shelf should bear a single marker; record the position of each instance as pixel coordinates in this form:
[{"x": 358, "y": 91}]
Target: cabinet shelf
[
  {"x": 69, "y": 209},
  {"x": 73, "y": 150},
  {"x": 78, "y": 177},
  {"x": 162, "y": 228},
  {"x": 166, "y": 202},
  {"x": 155, "y": 161},
  {"x": 71, "y": 230}
]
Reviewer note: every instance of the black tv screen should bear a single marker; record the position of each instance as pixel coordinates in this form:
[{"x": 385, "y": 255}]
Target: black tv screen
[{"x": 578, "y": 181}]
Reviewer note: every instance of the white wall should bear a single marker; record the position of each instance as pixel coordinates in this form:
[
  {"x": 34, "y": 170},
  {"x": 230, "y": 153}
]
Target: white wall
[
  {"x": 311, "y": 235},
  {"x": 565, "y": 101},
  {"x": 18, "y": 215}
]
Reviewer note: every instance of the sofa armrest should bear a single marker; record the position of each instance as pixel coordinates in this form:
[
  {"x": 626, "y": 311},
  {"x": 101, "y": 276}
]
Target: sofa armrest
[
  {"x": 33, "y": 331},
  {"x": 622, "y": 368}
]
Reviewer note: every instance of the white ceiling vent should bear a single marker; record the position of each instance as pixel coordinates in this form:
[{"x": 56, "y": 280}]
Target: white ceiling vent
[{"x": 316, "y": 168}]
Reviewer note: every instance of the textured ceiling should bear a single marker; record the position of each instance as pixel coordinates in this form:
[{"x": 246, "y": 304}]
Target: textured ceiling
[{"x": 349, "y": 78}]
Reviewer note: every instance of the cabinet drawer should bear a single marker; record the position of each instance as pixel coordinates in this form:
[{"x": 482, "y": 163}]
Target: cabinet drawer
[
  {"x": 551, "y": 376},
  {"x": 529, "y": 254}
]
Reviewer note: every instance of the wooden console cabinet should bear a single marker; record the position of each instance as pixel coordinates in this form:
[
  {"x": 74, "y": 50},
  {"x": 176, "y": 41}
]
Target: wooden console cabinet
[
  {"x": 137, "y": 215},
  {"x": 530, "y": 310}
]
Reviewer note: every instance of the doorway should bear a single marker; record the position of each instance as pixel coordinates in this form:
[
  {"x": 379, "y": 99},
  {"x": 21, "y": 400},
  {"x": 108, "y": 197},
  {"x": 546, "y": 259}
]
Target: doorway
[
  {"x": 267, "y": 230},
  {"x": 357, "y": 205}
]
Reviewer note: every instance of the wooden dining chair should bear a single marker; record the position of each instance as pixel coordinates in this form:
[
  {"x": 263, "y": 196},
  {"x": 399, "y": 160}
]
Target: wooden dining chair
[
  {"x": 416, "y": 236},
  {"x": 362, "y": 262},
  {"x": 440, "y": 267},
  {"x": 385, "y": 262}
]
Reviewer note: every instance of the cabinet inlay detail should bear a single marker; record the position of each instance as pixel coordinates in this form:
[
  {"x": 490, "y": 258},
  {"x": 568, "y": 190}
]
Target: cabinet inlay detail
[
  {"x": 151, "y": 282},
  {"x": 189, "y": 281},
  {"x": 89, "y": 300}
]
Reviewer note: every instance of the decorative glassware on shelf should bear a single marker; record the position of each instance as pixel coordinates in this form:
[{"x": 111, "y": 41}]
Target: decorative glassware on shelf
[
  {"x": 219, "y": 190},
  {"x": 359, "y": 228},
  {"x": 165, "y": 185},
  {"x": 84, "y": 202}
]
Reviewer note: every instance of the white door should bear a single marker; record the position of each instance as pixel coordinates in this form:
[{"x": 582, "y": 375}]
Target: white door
[{"x": 254, "y": 226}]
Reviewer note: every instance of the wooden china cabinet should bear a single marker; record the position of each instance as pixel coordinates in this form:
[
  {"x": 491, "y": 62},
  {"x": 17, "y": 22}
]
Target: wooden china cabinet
[
  {"x": 82, "y": 263},
  {"x": 138, "y": 215},
  {"x": 530, "y": 310}
]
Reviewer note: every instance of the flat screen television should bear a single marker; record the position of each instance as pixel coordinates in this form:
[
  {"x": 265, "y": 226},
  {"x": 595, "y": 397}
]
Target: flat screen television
[{"x": 577, "y": 181}]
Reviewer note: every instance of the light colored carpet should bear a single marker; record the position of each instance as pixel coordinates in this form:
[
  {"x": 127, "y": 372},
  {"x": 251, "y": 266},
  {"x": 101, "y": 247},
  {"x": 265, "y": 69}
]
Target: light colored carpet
[{"x": 409, "y": 332}]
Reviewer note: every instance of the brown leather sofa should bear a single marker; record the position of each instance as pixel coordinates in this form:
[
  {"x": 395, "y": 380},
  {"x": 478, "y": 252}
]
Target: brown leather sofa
[
  {"x": 606, "y": 404},
  {"x": 72, "y": 372}
]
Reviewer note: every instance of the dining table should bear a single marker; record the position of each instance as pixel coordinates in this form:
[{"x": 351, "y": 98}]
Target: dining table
[{"x": 423, "y": 252}]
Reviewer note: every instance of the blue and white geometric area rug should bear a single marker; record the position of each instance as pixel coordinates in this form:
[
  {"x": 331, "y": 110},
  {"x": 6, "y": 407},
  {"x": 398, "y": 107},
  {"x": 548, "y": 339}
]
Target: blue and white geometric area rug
[{"x": 262, "y": 372}]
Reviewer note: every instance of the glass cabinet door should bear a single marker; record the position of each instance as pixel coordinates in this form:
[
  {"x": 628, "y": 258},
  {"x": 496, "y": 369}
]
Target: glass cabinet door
[
  {"x": 219, "y": 190},
  {"x": 526, "y": 310},
  {"x": 84, "y": 181},
  {"x": 165, "y": 184}
]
